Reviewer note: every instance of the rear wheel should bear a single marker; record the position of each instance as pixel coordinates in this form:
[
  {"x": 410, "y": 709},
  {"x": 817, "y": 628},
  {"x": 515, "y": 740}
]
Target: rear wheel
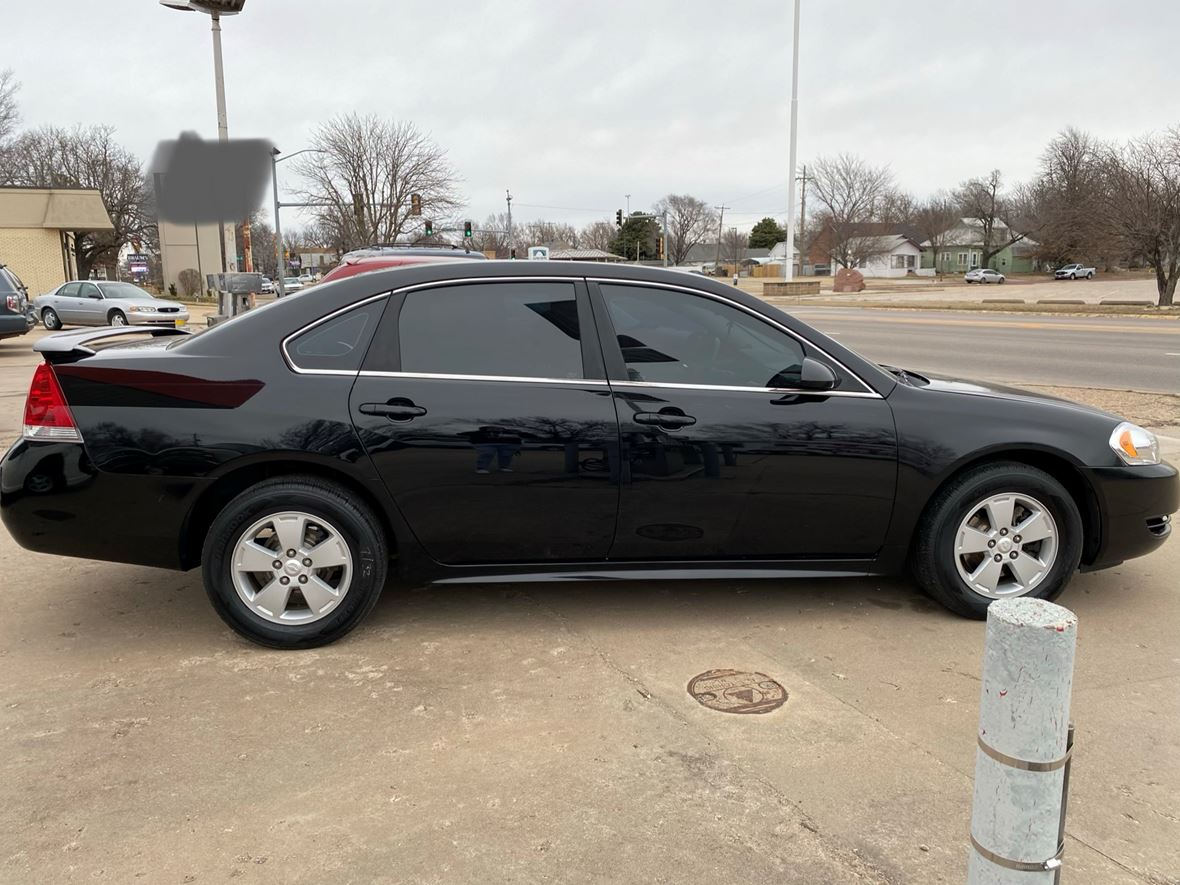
[
  {"x": 50, "y": 320},
  {"x": 998, "y": 531},
  {"x": 117, "y": 318},
  {"x": 294, "y": 562}
]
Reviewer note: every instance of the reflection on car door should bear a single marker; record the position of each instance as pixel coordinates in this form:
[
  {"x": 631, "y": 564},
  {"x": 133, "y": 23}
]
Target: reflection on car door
[
  {"x": 66, "y": 302},
  {"x": 91, "y": 308},
  {"x": 485, "y": 410},
  {"x": 723, "y": 456}
]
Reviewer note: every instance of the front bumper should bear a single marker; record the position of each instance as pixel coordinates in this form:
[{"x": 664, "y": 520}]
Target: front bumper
[
  {"x": 158, "y": 319},
  {"x": 1135, "y": 506}
]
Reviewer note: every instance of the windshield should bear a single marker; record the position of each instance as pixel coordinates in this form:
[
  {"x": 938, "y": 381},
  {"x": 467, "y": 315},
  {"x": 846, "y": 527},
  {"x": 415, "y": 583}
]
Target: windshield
[{"x": 124, "y": 290}]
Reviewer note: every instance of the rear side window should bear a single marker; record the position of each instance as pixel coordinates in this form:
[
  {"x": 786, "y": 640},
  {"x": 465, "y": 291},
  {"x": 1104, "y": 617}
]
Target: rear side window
[
  {"x": 525, "y": 330},
  {"x": 69, "y": 290},
  {"x": 337, "y": 344}
]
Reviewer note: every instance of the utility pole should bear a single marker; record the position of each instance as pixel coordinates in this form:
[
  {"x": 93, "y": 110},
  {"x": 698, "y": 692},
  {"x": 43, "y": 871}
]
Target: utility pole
[
  {"x": 803, "y": 179},
  {"x": 665, "y": 249},
  {"x": 508, "y": 199},
  {"x": 720, "y": 222},
  {"x": 789, "y": 264}
]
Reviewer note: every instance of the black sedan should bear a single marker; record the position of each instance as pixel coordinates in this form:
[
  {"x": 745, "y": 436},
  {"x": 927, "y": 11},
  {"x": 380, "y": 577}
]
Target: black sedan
[{"x": 528, "y": 421}]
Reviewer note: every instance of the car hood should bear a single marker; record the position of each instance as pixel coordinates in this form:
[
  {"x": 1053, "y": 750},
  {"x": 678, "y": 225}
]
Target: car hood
[{"x": 948, "y": 384}]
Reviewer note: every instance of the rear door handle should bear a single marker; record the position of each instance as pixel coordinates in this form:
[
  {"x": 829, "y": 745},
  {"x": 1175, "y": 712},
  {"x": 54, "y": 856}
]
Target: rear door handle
[
  {"x": 669, "y": 419},
  {"x": 396, "y": 409}
]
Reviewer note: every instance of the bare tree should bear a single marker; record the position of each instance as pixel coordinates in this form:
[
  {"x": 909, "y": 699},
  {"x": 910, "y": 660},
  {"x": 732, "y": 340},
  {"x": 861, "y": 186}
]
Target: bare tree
[
  {"x": 934, "y": 219},
  {"x": 1142, "y": 201},
  {"x": 9, "y": 111},
  {"x": 364, "y": 174},
  {"x": 984, "y": 201},
  {"x": 690, "y": 221},
  {"x": 86, "y": 157},
  {"x": 733, "y": 246},
  {"x": 555, "y": 234},
  {"x": 190, "y": 281},
  {"x": 492, "y": 236},
  {"x": 597, "y": 235},
  {"x": 852, "y": 194}
]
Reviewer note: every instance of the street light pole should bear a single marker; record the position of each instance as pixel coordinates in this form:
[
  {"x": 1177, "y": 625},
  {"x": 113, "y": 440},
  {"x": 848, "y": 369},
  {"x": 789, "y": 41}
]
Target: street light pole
[
  {"x": 788, "y": 260},
  {"x": 275, "y": 159}
]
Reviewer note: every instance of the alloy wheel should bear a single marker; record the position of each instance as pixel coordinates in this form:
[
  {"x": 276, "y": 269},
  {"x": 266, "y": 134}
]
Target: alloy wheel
[
  {"x": 291, "y": 568},
  {"x": 1006, "y": 545}
]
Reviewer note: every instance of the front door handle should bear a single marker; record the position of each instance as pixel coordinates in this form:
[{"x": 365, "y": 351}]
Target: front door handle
[
  {"x": 669, "y": 419},
  {"x": 397, "y": 409}
]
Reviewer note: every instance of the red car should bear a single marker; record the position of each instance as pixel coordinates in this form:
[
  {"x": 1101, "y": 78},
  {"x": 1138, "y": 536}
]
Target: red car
[{"x": 382, "y": 257}]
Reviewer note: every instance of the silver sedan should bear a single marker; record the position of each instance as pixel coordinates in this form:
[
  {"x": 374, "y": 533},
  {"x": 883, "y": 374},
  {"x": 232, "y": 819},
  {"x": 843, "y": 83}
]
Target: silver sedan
[{"x": 104, "y": 303}]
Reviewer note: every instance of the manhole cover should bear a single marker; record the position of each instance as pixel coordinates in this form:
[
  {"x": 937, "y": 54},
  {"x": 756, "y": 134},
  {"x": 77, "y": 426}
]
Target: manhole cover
[{"x": 734, "y": 691}]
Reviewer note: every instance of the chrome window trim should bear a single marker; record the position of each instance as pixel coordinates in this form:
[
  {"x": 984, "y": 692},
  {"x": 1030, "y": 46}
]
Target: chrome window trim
[
  {"x": 517, "y": 379},
  {"x": 291, "y": 362},
  {"x": 786, "y": 391},
  {"x": 868, "y": 388}
]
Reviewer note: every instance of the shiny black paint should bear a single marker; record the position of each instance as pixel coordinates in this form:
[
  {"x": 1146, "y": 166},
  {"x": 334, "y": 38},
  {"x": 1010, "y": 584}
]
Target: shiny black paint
[{"x": 173, "y": 427}]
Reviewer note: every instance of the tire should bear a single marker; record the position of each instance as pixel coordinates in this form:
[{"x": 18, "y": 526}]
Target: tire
[
  {"x": 968, "y": 282},
  {"x": 117, "y": 318},
  {"x": 348, "y": 525},
  {"x": 1090, "y": 275},
  {"x": 934, "y": 561},
  {"x": 50, "y": 320},
  {"x": 1002, "y": 280},
  {"x": 1073, "y": 276}
]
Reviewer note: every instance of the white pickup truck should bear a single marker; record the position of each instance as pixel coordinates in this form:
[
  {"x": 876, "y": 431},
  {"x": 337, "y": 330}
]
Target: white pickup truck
[{"x": 1074, "y": 272}]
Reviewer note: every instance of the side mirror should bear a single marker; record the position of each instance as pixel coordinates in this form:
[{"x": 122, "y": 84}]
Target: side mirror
[{"x": 815, "y": 375}]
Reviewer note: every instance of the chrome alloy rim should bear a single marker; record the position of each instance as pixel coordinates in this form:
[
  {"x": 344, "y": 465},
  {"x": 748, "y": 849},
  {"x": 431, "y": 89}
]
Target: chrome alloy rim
[
  {"x": 291, "y": 568},
  {"x": 1006, "y": 545}
]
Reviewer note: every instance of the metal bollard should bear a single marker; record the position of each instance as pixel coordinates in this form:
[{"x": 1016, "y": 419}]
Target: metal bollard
[{"x": 1024, "y": 744}]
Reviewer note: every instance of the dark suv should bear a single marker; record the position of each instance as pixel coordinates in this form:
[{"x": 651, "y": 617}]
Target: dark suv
[{"x": 15, "y": 318}]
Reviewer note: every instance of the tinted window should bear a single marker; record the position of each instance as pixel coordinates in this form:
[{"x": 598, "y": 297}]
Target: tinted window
[
  {"x": 340, "y": 342},
  {"x": 676, "y": 338},
  {"x": 513, "y": 329},
  {"x": 69, "y": 290}
]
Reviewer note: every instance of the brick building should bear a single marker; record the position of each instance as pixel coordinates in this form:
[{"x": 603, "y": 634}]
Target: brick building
[{"x": 37, "y": 230}]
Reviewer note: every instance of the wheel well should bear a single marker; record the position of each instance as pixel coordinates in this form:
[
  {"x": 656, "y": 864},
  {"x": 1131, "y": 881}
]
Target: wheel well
[
  {"x": 228, "y": 487},
  {"x": 1061, "y": 470},
  {"x": 113, "y": 311}
]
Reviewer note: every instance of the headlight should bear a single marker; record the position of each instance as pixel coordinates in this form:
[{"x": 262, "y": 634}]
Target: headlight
[
  {"x": 1134, "y": 445},
  {"x": 141, "y": 308}
]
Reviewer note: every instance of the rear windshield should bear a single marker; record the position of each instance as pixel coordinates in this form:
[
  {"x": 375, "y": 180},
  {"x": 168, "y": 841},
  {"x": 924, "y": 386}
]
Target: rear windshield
[{"x": 9, "y": 283}]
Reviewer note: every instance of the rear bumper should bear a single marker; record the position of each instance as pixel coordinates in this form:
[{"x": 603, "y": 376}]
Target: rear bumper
[
  {"x": 53, "y": 500},
  {"x": 1136, "y": 505},
  {"x": 12, "y": 324}
]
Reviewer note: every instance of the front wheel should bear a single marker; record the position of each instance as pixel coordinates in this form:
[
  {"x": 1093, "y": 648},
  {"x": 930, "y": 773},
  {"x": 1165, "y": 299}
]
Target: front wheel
[
  {"x": 50, "y": 320},
  {"x": 117, "y": 318},
  {"x": 998, "y": 531},
  {"x": 294, "y": 562}
]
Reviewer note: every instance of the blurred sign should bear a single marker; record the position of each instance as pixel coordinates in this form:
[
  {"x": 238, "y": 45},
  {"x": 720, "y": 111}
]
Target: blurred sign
[
  {"x": 137, "y": 263},
  {"x": 538, "y": 253}
]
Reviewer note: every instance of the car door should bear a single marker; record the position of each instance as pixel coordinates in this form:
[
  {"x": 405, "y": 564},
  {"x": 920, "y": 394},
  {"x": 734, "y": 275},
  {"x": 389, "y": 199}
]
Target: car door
[
  {"x": 485, "y": 409},
  {"x": 724, "y": 455},
  {"x": 66, "y": 303},
  {"x": 91, "y": 306}
]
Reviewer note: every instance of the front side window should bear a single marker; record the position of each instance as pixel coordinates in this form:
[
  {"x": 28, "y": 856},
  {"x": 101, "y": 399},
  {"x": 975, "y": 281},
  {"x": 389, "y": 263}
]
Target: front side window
[
  {"x": 89, "y": 290},
  {"x": 520, "y": 330},
  {"x": 672, "y": 337},
  {"x": 337, "y": 344}
]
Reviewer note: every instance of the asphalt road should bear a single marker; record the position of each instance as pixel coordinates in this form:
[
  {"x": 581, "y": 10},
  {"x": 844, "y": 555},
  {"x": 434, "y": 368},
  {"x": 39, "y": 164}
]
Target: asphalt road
[{"x": 1120, "y": 353}]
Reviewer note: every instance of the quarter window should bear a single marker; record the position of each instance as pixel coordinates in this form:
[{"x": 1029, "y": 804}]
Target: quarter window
[
  {"x": 676, "y": 338},
  {"x": 338, "y": 344},
  {"x": 526, "y": 330}
]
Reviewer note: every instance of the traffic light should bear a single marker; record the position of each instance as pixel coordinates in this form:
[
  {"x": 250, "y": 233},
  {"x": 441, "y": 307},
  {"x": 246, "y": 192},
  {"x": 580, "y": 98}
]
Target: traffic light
[
  {"x": 466, "y": 228},
  {"x": 429, "y": 228},
  {"x": 415, "y": 204},
  {"x": 619, "y": 218}
]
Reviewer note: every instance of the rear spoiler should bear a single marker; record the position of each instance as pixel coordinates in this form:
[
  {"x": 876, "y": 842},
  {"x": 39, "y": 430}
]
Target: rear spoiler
[{"x": 68, "y": 347}]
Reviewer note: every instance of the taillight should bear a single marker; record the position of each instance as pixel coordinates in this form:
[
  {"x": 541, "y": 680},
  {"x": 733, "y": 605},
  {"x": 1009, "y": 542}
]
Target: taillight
[
  {"x": 47, "y": 416},
  {"x": 13, "y": 303}
]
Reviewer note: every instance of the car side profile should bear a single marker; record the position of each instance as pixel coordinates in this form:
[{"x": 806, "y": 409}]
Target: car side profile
[
  {"x": 106, "y": 303},
  {"x": 983, "y": 275},
  {"x": 482, "y": 421},
  {"x": 1074, "y": 272}
]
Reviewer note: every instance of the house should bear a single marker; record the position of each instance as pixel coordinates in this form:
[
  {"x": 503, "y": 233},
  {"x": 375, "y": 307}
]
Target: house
[
  {"x": 882, "y": 249},
  {"x": 38, "y": 226},
  {"x": 583, "y": 255},
  {"x": 962, "y": 249}
]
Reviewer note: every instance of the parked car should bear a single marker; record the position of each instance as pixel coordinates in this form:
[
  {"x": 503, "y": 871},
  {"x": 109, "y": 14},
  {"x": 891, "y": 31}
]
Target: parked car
[
  {"x": 983, "y": 275},
  {"x": 106, "y": 303},
  {"x": 15, "y": 316},
  {"x": 307, "y": 278},
  {"x": 385, "y": 257},
  {"x": 292, "y": 284},
  {"x": 268, "y": 286},
  {"x": 520, "y": 421},
  {"x": 1074, "y": 272}
]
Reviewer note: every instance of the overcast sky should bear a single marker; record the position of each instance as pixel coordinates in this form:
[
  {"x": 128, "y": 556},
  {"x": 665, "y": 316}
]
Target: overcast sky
[{"x": 575, "y": 104}]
